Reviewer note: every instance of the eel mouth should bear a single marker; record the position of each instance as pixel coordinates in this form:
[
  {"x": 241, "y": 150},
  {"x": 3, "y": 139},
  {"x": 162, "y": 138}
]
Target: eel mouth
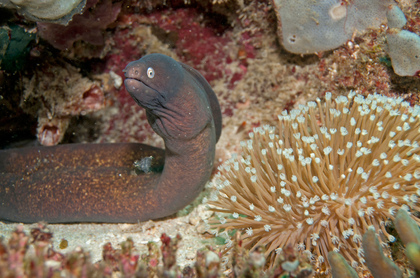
[
  {"x": 133, "y": 84},
  {"x": 142, "y": 93}
]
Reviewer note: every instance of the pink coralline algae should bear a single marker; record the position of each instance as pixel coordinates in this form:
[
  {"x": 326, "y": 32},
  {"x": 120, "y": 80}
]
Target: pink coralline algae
[
  {"x": 88, "y": 26},
  {"x": 207, "y": 46},
  {"x": 199, "y": 44}
]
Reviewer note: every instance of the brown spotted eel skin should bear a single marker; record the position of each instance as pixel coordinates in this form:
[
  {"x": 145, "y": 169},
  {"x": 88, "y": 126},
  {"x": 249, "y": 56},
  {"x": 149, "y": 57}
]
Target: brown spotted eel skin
[{"x": 98, "y": 182}]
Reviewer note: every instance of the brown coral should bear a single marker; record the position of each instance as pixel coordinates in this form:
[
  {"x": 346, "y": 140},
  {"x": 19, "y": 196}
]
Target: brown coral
[
  {"x": 54, "y": 94},
  {"x": 88, "y": 26},
  {"x": 331, "y": 171}
]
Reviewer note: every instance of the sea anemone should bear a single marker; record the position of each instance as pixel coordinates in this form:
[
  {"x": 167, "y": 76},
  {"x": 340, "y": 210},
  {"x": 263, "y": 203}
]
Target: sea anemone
[{"x": 330, "y": 172}]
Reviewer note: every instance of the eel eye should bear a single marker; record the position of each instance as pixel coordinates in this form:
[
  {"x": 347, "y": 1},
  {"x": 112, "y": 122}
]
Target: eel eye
[{"x": 150, "y": 72}]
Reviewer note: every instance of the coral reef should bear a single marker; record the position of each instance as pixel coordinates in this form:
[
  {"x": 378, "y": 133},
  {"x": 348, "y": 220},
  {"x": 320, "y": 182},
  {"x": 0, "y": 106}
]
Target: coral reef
[
  {"x": 357, "y": 66},
  {"x": 34, "y": 255},
  {"x": 363, "y": 64},
  {"x": 333, "y": 171},
  {"x": 255, "y": 78},
  {"x": 315, "y": 27},
  {"x": 58, "y": 11},
  {"x": 24, "y": 256}
]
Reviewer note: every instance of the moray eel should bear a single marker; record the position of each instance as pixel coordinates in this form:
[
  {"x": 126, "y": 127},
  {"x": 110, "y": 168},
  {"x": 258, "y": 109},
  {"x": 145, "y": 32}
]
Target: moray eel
[{"x": 97, "y": 182}]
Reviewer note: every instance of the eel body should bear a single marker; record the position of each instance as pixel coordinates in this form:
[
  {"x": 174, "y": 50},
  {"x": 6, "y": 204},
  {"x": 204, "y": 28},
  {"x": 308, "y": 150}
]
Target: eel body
[{"x": 98, "y": 182}]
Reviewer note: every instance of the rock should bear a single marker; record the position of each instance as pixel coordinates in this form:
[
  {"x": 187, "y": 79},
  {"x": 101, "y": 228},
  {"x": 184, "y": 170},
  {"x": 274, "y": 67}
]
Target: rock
[
  {"x": 313, "y": 26},
  {"x": 57, "y": 11},
  {"x": 404, "y": 50}
]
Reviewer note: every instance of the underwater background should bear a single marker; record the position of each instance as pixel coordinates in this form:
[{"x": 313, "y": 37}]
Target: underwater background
[{"x": 61, "y": 78}]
